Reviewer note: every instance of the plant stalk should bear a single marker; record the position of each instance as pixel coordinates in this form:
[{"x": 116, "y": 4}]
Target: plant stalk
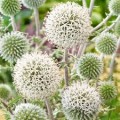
[
  {"x": 14, "y": 26},
  {"x": 91, "y": 7},
  {"x": 113, "y": 59},
  {"x": 81, "y": 50},
  {"x": 6, "y": 106},
  {"x": 84, "y": 3},
  {"x": 102, "y": 23},
  {"x": 112, "y": 25},
  {"x": 102, "y": 56},
  {"x": 37, "y": 21},
  {"x": 49, "y": 109},
  {"x": 66, "y": 76}
]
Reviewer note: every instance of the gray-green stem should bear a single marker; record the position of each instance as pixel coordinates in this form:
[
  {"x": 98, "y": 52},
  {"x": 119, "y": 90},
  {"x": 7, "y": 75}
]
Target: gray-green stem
[
  {"x": 37, "y": 21},
  {"x": 112, "y": 25},
  {"x": 84, "y": 3},
  {"x": 101, "y": 56},
  {"x": 102, "y": 23},
  {"x": 14, "y": 26},
  {"x": 91, "y": 7},
  {"x": 49, "y": 109},
  {"x": 81, "y": 49},
  {"x": 113, "y": 59},
  {"x": 66, "y": 76}
]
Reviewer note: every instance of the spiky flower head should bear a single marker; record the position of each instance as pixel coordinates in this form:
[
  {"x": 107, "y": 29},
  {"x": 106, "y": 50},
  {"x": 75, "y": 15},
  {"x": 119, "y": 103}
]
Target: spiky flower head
[
  {"x": 33, "y": 3},
  {"x": 106, "y": 43},
  {"x": 13, "y": 45},
  {"x": 117, "y": 28},
  {"x": 27, "y": 111},
  {"x": 36, "y": 76},
  {"x": 90, "y": 66},
  {"x": 68, "y": 24},
  {"x": 5, "y": 91},
  {"x": 80, "y": 102},
  {"x": 107, "y": 91},
  {"x": 10, "y": 7},
  {"x": 114, "y": 7}
]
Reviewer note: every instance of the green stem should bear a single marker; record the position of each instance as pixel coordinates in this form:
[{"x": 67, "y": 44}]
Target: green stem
[
  {"x": 66, "y": 76},
  {"x": 102, "y": 23},
  {"x": 14, "y": 26},
  {"x": 37, "y": 22},
  {"x": 91, "y": 7},
  {"x": 113, "y": 59},
  {"x": 49, "y": 109}
]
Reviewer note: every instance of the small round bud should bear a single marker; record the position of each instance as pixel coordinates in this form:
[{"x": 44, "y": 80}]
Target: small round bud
[
  {"x": 107, "y": 91},
  {"x": 68, "y": 24},
  {"x": 5, "y": 91},
  {"x": 36, "y": 76},
  {"x": 90, "y": 66},
  {"x": 13, "y": 45},
  {"x": 114, "y": 7},
  {"x": 80, "y": 102},
  {"x": 27, "y": 111},
  {"x": 106, "y": 43},
  {"x": 33, "y": 3},
  {"x": 10, "y": 7}
]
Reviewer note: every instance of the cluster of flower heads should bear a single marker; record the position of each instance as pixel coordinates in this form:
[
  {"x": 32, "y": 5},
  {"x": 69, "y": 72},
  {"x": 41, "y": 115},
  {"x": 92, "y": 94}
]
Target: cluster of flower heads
[
  {"x": 80, "y": 102},
  {"x": 10, "y": 7},
  {"x": 36, "y": 76},
  {"x": 13, "y": 45},
  {"x": 27, "y": 111},
  {"x": 68, "y": 24},
  {"x": 90, "y": 66},
  {"x": 5, "y": 91},
  {"x": 114, "y": 7},
  {"x": 106, "y": 43},
  {"x": 33, "y": 3},
  {"x": 107, "y": 91}
]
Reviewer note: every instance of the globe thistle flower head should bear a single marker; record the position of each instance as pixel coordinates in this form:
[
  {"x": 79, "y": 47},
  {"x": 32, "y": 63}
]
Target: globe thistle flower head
[
  {"x": 10, "y": 7},
  {"x": 5, "y": 91},
  {"x": 90, "y": 66},
  {"x": 80, "y": 102},
  {"x": 13, "y": 45},
  {"x": 27, "y": 111},
  {"x": 117, "y": 28},
  {"x": 33, "y": 3},
  {"x": 68, "y": 24},
  {"x": 106, "y": 43},
  {"x": 114, "y": 7},
  {"x": 36, "y": 76},
  {"x": 107, "y": 91}
]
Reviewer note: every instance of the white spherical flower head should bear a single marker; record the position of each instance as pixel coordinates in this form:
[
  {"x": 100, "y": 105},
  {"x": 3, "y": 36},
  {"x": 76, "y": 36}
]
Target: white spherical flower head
[
  {"x": 13, "y": 45},
  {"x": 80, "y": 102},
  {"x": 10, "y": 7},
  {"x": 68, "y": 24},
  {"x": 36, "y": 76},
  {"x": 33, "y": 3},
  {"x": 107, "y": 91},
  {"x": 90, "y": 66},
  {"x": 27, "y": 111},
  {"x": 114, "y": 7},
  {"x": 106, "y": 43}
]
